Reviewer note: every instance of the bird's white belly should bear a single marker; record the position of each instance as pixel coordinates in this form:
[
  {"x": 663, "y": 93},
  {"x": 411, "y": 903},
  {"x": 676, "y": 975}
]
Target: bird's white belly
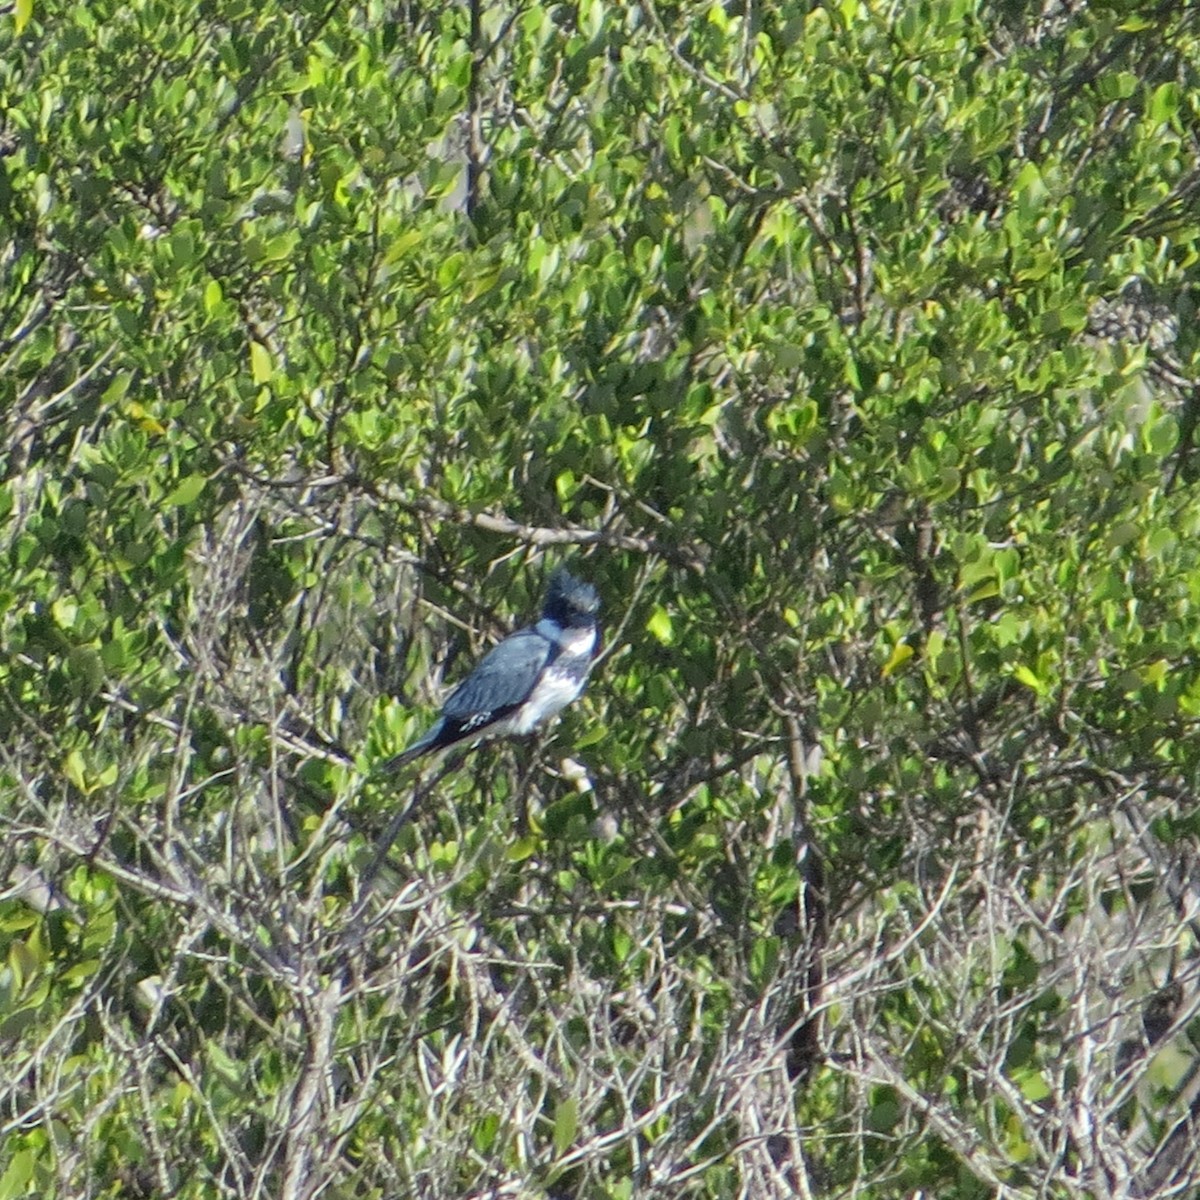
[{"x": 551, "y": 695}]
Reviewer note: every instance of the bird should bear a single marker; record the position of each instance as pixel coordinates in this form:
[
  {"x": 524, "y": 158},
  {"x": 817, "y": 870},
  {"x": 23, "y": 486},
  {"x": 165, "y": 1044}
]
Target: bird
[{"x": 529, "y": 677}]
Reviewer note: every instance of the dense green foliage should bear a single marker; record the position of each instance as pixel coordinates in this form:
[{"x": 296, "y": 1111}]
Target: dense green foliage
[{"x": 850, "y": 350}]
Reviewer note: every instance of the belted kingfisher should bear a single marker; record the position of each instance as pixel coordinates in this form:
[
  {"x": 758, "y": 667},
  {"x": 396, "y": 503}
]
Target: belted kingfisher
[{"x": 528, "y": 678}]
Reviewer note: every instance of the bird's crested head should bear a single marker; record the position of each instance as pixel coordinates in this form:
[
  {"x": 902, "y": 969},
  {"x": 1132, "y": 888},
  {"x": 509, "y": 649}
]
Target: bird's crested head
[{"x": 570, "y": 602}]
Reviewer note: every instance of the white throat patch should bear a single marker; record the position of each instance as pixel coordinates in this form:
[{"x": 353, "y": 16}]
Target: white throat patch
[{"x": 572, "y": 642}]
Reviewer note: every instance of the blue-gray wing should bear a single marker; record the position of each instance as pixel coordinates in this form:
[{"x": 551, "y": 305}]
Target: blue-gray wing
[{"x": 503, "y": 680}]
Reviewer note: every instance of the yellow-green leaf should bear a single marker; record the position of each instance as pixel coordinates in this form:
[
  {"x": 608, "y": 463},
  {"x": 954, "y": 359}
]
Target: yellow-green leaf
[
  {"x": 261, "y": 366},
  {"x": 522, "y": 849},
  {"x": 73, "y": 769},
  {"x": 1156, "y": 672},
  {"x": 659, "y": 626},
  {"x": 901, "y": 653},
  {"x": 145, "y": 422},
  {"x": 1024, "y": 675}
]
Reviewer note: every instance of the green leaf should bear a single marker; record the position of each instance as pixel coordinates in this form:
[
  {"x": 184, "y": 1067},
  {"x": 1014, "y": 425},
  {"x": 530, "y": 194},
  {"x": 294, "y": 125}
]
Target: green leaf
[
  {"x": 1024, "y": 675},
  {"x": 1122, "y": 534},
  {"x": 186, "y": 492},
  {"x": 522, "y": 849},
  {"x": 1116, "y": 85},
  {"x": 566, "y": 485},
  {"x": 1164, "y": 102},
  {"x": 399, "y": 246},
  {"x": 484, "y": 1133},
  {"x": 1032, "y": 1083},
  {"x": 65, "y": 611},
  {"x": 19, "y": 1172},
  {"x": 1155, "y": 672},
  {"x": 1162, "y": 435},
  {"x": 80, "y": 972},
  {"x": 261, "y": 366},
  {"x": 23, "y": 14},
  {"x": 764, "y": 958},
  {"x": 74, "y": 770},
  {"x": 281, "y": 247},
  {"x": 659, "y": 626},
  {"x": 566, "y": 1123},
  {"x": 901, "y": 653}
]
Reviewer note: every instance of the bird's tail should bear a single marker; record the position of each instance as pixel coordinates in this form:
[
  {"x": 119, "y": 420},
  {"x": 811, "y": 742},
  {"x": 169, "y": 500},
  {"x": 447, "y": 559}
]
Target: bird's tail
[
  {"x": 394, "y": 763},
  {"x": 422, "y": 745}
]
